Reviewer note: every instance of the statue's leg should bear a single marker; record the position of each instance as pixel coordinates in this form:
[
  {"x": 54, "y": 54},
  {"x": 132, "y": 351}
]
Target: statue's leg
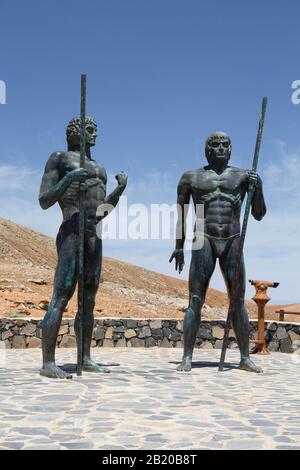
[
  {"x": 92, "y": 272},
  {"x": 240, "y": 318},
  {"x": 64, "y": 286},
  {"x": 201, "y": 269}
]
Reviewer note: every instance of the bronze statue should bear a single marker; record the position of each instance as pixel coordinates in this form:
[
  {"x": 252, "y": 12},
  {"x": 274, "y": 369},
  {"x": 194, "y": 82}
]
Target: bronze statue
[
  {"x": 221, "y": 188},
  {"x": 60, "y": 183}
]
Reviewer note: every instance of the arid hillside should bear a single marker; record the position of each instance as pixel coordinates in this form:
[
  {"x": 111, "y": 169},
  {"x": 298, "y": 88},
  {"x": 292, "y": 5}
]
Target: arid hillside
[{"x": 27, "y": 262}]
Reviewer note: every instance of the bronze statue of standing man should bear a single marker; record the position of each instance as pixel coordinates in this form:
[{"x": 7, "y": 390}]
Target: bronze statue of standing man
[
  {"x": 221, "y": 188},
  {"x": 60, "y": 183}
]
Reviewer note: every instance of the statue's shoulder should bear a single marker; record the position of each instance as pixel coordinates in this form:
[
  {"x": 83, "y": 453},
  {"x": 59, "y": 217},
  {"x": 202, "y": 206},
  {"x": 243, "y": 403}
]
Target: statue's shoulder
[
  {"x": 55, "y": 160},
  {"x": 189, "y": 176},
  {"x": 238, "y": 171},
  {"x": 185, "y": 178},
  {"x": 58, "y": 154}
]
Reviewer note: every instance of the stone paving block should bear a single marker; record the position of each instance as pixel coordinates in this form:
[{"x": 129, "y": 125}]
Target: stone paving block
[
  {"x": 157, "y": 333},
  {"x": 273, "y": 346},
  {"x": 293, "y": 336},
  {"x": 145, "y": 403},
  {"x": 166, "y": 343},
  {"x": 150, "y": 342},
  {"x": 64, "y": 329},
  {"x": 29, "y": 329},
  {"x": 19, "y": 342},
  {"x": 281, "y": 333},
  {"x": 67, "y": 342},
  {"x": 131, "y": 324},
  {"x": 286, "y": 345},
  {"x": 206, "y": 345},
  {"x": 156, "y": 324},
  {"x": 137, "y": 342},
  {"x": 217, "y": 332},
  {"x": 34, "y": 342},
  {"x": 144, "y": 332},
  {"x": 204, "y": 333},
  {"x": 130, "y": 334},
  {"x": 99, "y": 333},
  {"x": 109, "y": 333},
  {"x": 6, "y": 335}
]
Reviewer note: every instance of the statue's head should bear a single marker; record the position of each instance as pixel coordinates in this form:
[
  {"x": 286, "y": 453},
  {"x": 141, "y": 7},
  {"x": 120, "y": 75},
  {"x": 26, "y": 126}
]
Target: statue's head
[
  {"x": 73, "y": 132},
  {"x": 218, "y": 147}
]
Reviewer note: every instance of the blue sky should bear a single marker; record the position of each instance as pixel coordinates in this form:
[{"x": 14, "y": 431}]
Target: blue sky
[{"x": 162, "y": 75}]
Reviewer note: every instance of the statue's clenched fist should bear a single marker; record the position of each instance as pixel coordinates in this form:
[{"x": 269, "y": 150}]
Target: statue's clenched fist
[{"x": 122, "y": 178}]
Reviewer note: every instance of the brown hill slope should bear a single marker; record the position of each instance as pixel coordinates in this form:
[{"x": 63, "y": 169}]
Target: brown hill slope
[{"x": 27, "y": 262}]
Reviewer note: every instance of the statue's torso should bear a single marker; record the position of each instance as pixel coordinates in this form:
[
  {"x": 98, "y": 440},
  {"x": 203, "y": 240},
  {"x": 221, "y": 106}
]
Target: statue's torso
[
  {"x": 94, "y": 195},
  {"x": 217, "y": 193}
]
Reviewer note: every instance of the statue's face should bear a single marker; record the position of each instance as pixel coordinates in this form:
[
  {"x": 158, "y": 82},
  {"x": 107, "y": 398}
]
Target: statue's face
[
  {"x": 90, "y": 134},
  {"x": 73, "y": 132},
  {"x": 218, "y": 149}
]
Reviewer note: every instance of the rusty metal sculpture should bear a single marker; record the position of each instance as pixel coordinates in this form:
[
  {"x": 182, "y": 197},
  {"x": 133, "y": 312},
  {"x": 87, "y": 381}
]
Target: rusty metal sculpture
[{"x": 261, "y": 298}]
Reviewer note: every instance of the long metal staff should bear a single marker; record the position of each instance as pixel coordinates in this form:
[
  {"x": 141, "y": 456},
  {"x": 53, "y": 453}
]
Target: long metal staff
[
  {"x": 81, "y": 231},
  {"x": 251, "y": 191}
]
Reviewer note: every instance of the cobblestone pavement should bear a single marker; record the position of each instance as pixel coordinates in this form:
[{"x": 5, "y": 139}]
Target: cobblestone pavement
[{"x": 145, "y": 404}]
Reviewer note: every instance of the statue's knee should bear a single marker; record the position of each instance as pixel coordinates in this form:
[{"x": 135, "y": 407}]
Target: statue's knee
[
  {"x": 61, "y": 300},
  {"x": 196, "y": 303}
]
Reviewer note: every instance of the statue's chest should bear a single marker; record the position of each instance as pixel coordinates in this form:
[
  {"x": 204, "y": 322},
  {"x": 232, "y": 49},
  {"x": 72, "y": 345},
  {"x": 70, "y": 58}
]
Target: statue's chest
[
  {"x": 96, "y": 181},
  {"x": 74, "y": 164},
  {"x": 214, "y": 183}
]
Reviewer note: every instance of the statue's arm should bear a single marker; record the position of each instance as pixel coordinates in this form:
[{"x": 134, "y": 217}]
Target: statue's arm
[
  {"x": 52, "y": 186},
  {"x": 183, "y": 199},
  {"x": 113, "y": 198},
  {"x": 258, "y": 206}
]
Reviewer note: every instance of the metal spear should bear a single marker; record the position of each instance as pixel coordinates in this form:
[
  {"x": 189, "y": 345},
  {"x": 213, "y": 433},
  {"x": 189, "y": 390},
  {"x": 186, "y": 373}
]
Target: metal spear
[
  {"x": 81, "y": 231},
  {"x": 251, "y": 191}
]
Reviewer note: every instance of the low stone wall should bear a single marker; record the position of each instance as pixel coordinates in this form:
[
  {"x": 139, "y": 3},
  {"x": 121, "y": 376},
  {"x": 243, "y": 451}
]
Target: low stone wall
[{"x": 23, "y": 333}]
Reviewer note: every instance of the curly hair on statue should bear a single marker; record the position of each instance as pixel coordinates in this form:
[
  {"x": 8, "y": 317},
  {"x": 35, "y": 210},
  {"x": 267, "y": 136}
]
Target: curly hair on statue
[{"x": 73, "y": 128}]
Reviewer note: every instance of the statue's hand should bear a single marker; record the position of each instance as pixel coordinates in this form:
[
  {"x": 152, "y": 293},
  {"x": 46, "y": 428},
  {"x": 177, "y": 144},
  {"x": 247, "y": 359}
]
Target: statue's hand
[
  {"x": 178, "y": 255},
  {"x": 80, "y": 175},
  {"x": 122, "y": 178},
  {"x": 252, "y": 178}
]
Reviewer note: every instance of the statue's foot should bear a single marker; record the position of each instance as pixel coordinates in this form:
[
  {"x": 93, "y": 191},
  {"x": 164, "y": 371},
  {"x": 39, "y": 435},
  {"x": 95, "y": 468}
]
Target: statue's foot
[
  {"x": 90, "y": 366},
  {"x": 248, "y": 365},
  {"x": 186, "y": 365},
  {"x": 54, "y": 372}
]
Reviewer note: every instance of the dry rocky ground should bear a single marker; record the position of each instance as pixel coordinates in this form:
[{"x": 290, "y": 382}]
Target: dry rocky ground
[{"x": 27, "y": 262}]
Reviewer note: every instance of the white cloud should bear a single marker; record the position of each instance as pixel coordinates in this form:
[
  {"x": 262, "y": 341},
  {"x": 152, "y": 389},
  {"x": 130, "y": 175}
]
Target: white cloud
[
  {"x": 12, "y": 177},
  {"x": 19, "y": 189},
  {"x": 281, "y": 179}
]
